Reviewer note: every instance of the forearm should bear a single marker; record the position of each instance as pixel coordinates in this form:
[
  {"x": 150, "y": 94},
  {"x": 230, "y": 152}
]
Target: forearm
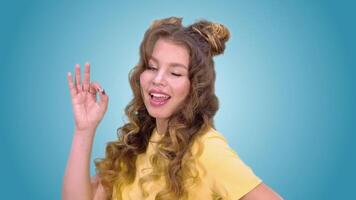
[{"x": 76, "y": 183}]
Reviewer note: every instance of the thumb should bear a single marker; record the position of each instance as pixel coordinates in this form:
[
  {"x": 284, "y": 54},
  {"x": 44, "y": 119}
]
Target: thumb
[
  {"x": 104, "y": 99},
  {"x": 102, "y": 94}
]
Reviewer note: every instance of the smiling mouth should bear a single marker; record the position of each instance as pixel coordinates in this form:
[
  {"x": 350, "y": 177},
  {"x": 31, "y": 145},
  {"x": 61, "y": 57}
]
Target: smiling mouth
[
  {"x": 159, "y": 96},
  {"x": 157, "y": 99}
]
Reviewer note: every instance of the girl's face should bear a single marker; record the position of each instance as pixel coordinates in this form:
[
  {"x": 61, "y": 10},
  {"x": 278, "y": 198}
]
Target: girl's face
[{"x": 165, "y": 83}]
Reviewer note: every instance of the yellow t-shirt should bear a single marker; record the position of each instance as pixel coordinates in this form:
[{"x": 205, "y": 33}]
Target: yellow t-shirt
[{"x": 224, "y": 175}]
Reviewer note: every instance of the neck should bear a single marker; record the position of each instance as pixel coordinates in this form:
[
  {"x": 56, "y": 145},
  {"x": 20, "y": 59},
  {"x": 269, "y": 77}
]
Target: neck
[{"x": 161, "y": 125}]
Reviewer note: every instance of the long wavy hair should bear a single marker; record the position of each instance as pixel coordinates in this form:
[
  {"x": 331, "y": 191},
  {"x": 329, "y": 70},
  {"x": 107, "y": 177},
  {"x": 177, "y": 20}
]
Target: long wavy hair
[{"x": 203, "y": 40}]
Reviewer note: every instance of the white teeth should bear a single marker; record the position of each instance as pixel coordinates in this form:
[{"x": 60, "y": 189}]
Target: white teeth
[{"x": 159, "y": 95}]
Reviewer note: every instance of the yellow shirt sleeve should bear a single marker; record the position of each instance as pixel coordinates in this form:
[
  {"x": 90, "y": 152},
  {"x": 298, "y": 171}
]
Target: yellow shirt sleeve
[{"x": 230, "y": 177}]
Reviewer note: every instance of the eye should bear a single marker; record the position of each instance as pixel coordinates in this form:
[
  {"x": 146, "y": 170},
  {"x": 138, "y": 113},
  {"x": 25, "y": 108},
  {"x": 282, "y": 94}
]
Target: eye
[
  {"x": 175, "y": 74},
  {"x": 149, "y": 67}
]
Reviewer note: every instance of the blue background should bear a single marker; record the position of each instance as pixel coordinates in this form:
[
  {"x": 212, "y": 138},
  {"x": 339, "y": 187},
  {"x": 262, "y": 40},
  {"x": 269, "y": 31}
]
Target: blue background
[{"x": 285, "y": 83}]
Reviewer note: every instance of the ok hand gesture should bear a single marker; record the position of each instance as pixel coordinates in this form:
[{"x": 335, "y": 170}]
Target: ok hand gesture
[{"x": 88, "y": 112}]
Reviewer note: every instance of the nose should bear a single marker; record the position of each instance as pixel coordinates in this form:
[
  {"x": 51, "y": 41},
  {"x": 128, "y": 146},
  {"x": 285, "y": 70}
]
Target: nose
[{"x": 159, "y": 79}]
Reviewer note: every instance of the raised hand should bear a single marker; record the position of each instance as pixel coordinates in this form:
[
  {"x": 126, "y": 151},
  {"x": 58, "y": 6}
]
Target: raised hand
[{"x": 88, "y": 112}]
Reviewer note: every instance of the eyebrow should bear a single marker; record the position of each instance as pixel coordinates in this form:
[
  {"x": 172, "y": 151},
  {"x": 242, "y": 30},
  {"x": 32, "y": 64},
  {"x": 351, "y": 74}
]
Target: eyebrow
[{"x": 170, "y": 64}]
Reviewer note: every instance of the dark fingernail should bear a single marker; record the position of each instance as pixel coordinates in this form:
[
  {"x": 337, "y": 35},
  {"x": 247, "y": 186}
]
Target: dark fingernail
[
  {"x": 103, "y": 92},
  {"x": 100, "y": 90}
]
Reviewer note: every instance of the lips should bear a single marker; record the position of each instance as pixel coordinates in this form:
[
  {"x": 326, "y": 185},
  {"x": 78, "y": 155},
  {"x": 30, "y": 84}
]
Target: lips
[
  {"x": 158, "y": 98},
  {"x": 158, "y": 94}
]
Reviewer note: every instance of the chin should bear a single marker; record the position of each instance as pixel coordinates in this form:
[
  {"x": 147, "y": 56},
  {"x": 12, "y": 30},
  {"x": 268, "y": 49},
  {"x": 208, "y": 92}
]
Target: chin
[{"x": 158, "y": 115}]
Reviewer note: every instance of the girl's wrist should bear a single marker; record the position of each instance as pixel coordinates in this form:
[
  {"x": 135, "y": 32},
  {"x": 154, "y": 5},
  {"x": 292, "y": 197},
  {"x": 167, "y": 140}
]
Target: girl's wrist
[{"x": 84, "y": 132}]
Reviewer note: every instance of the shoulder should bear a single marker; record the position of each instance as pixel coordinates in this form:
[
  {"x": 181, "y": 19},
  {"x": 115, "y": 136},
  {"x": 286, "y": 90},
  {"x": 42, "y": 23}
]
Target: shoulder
[
  {"x": 228, "y": 174},
  {"x": 212, "y": 150},
  {"x": 213, "y": 134},
  {"x": 210, "y": 135},
  {"x": 211, "y": 143}
]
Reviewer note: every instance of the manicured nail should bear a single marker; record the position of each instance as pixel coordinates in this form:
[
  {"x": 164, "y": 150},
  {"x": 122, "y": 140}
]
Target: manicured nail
[{"x": 100, "y": 89}]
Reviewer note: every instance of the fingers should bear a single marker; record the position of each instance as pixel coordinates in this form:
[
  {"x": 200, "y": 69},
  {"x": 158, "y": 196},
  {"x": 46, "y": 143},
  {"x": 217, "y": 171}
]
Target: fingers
[
  {"x": 103, "y": 97},
  {"x": 95, "y": 87},
  {"x": 77, "y": 78},
  {"x": 72, "y": 88},
  {"x": 86, "y": 82},
  {"x": 86, "y": 86},
  {"x": 104, "y": 100}
]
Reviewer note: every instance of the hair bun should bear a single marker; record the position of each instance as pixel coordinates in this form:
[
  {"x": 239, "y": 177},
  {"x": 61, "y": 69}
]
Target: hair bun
[
  {"x": 216, "y": 34},
  {"x": 167, "y": 21}
]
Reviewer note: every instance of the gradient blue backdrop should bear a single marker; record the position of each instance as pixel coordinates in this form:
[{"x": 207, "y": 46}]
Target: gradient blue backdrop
[{"x": 285, "y": 83}]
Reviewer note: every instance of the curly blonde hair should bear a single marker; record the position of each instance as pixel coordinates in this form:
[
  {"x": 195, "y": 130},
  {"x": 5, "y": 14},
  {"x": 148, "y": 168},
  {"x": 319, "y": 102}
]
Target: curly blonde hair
[{"x": 203, "y": 40}]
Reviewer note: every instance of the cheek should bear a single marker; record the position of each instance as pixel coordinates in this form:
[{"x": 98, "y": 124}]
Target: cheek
[
  {"x": 143, "y": 80},
  {"x": 183, "y": 89},
  {"x": 143, "y": 84}
]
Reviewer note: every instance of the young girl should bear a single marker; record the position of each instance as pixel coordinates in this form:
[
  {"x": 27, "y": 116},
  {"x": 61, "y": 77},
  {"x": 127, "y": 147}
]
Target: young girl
[{"x": 169, "y": 148}]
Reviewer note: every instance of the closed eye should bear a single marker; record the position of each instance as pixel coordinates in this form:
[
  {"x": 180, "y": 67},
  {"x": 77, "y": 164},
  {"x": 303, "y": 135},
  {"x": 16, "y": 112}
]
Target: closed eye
[
  {"x": 174, "y": 74},
  {"x": 151, "y": 68}
]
